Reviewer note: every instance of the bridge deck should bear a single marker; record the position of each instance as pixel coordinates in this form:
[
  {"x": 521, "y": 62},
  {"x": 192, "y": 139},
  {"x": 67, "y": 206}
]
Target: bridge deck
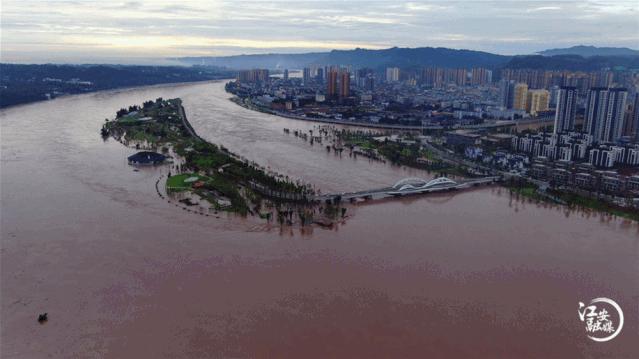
[{"x": 392, "y": 191}]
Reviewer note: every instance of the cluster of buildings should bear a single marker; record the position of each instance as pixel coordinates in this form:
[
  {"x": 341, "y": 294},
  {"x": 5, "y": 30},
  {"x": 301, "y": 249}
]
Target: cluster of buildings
[
  {"x": 435, "y": 77},
  {"x": 253, "y": 76},
  {"x": 544, "y": 79},
  {"x": 568, "y": 160},
  {"x": 605, "y": 113},
  {"x": 338, "y": 84},
  {"x": 535, "y": 92},
  {"x": 517, "y": 96},
  {"x": 576, "y": 147},
  {"x": 439, "y": 77},
  {"x": 596, "y": 121},
  {"x": 607, "y": 116},
  {"x": 363, "y": 95},
  {"x": 584, "y": 177},
  {"x": 436, "y": 96}
]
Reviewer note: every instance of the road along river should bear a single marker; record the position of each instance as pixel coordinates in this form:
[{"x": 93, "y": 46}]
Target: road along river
[{"x": 122, "y": 273}]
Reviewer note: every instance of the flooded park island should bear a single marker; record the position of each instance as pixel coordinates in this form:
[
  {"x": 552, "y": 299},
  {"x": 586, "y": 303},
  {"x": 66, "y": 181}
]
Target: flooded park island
[{"x": 212, "y": 176}]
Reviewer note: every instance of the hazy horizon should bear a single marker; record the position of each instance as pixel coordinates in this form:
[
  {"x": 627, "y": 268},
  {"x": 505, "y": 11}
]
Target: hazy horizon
[{"x": 130, "y": 32}]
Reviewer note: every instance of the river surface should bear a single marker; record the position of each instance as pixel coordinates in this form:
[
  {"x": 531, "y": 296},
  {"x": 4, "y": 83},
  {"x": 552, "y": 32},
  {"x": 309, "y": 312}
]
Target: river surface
[{"x": 124, "y": 274}]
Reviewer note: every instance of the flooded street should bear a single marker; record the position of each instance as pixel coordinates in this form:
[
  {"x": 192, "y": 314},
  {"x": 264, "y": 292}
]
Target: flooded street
[{"x": 124, "y": 274}]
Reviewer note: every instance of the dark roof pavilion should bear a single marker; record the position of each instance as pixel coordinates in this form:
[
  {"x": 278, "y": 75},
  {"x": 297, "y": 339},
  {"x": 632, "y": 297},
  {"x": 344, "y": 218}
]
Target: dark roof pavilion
[{"x": 146, "y": 158}]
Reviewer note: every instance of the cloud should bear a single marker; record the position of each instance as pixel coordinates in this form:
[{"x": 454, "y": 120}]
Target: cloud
[
  {"x": 358, "y": 19},
  {"x": 411, "y": 6},
  {"x": 544, "y": 8},
  {"x": 201, "y": 27}
]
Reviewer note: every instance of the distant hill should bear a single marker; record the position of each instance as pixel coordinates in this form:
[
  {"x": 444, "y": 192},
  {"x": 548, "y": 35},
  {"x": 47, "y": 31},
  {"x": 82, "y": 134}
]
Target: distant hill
[
  {"x": 401, "y": 57},
  {"x": 417, "y": 57},
  {"x": 589, "y": 51},
  {"x": 587, "y": 58},
  {"x": 29, "y": 83},
  {"x": 269, "y": 61},
  {"x": 572, "y": 62}
]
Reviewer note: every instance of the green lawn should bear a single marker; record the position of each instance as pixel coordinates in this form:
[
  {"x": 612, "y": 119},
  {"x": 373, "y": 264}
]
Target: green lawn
[
  {"x": 220, "y": 184},
  {"x": 141, "y": 136},
  {"x": 528, "y": 191},
  {"x": 176, "y": 183},
  {"x": 128, "y": 119}
]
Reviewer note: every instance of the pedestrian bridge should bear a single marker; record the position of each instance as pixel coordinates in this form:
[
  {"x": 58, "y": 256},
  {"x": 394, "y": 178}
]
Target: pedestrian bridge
[{"x": 411, "y": 185}]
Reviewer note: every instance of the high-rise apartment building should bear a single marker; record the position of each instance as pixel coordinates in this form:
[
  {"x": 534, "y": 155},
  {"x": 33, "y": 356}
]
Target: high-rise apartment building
[
  {"x": 331, "y": 83},
  {"x": 320, "y": 75},
  {"x": 545, "y": 79},
  {"x": 433, "y": 76},
  {"x": 338, "y": 83},
  {"x": 520, "y": 94},
  {"x": 363, "y": 75},
  {"x": 253, "y": 76},
  {"x": 605, "y": 113},
  {"x": 460, "y": 77},
  {"x": 537, "y": 101},
  {"x": 306, "y": 75},
  {"x": 344, "y": 84},
  {"x": 513, "y": 95},
  {"x": 566, "y": 109},
  {"x": 392, "y": 74},
  {"x": 505, "y": 88},
  {"x": 481, "y": 76}
]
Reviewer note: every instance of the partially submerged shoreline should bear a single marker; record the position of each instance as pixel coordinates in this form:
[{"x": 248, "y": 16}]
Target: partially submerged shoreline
[
  {"x": 237, "y": 100},
  {"x": 213, "y": 174},
  {"x": 362, "y": 143},
  {"x": 572, "y": 200}
]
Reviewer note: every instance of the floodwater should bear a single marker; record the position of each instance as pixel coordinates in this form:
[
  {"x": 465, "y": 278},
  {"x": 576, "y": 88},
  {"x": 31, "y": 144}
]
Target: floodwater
[{"x": 124, "y": 274}]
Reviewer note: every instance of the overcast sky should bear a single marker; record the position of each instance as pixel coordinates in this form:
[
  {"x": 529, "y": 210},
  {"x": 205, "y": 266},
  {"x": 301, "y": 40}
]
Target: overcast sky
[{"x": 136, "y": 31}]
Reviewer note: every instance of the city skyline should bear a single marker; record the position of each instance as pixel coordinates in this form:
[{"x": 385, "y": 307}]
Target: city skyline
[{"x": 144, "y": 31}]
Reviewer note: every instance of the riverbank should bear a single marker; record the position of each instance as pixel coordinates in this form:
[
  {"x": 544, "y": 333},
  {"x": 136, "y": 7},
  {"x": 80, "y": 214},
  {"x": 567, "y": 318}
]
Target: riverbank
[
  {"x": 113, "y": 91},
  {"x": 499, "y": 124},
  {"x": 237, "y": 100},
  {"x": 572, "y": 201},
  {"x": 28, "y": 83},
  {"x": 380, "y": 146},
  {"x": 405, "y": 150}
]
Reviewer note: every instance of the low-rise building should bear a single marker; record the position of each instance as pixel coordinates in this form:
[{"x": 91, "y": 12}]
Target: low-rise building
[
  {"x": 462, "y": 137},
  {"x": 560, "y": 176},
  {"x": 632, "y": 183},
  {"x": 538, "y": 171},
  {"x": 611, "y": 183},
  {"x": 585, "y": 180}
]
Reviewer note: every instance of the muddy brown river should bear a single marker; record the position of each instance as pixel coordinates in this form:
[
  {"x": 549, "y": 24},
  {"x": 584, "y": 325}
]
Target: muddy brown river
[{"x": 124, "y": 274}]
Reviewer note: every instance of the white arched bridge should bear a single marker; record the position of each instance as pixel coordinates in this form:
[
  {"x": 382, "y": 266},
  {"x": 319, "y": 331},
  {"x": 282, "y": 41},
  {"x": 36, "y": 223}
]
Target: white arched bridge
[{"x": 411, "y": 185}]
